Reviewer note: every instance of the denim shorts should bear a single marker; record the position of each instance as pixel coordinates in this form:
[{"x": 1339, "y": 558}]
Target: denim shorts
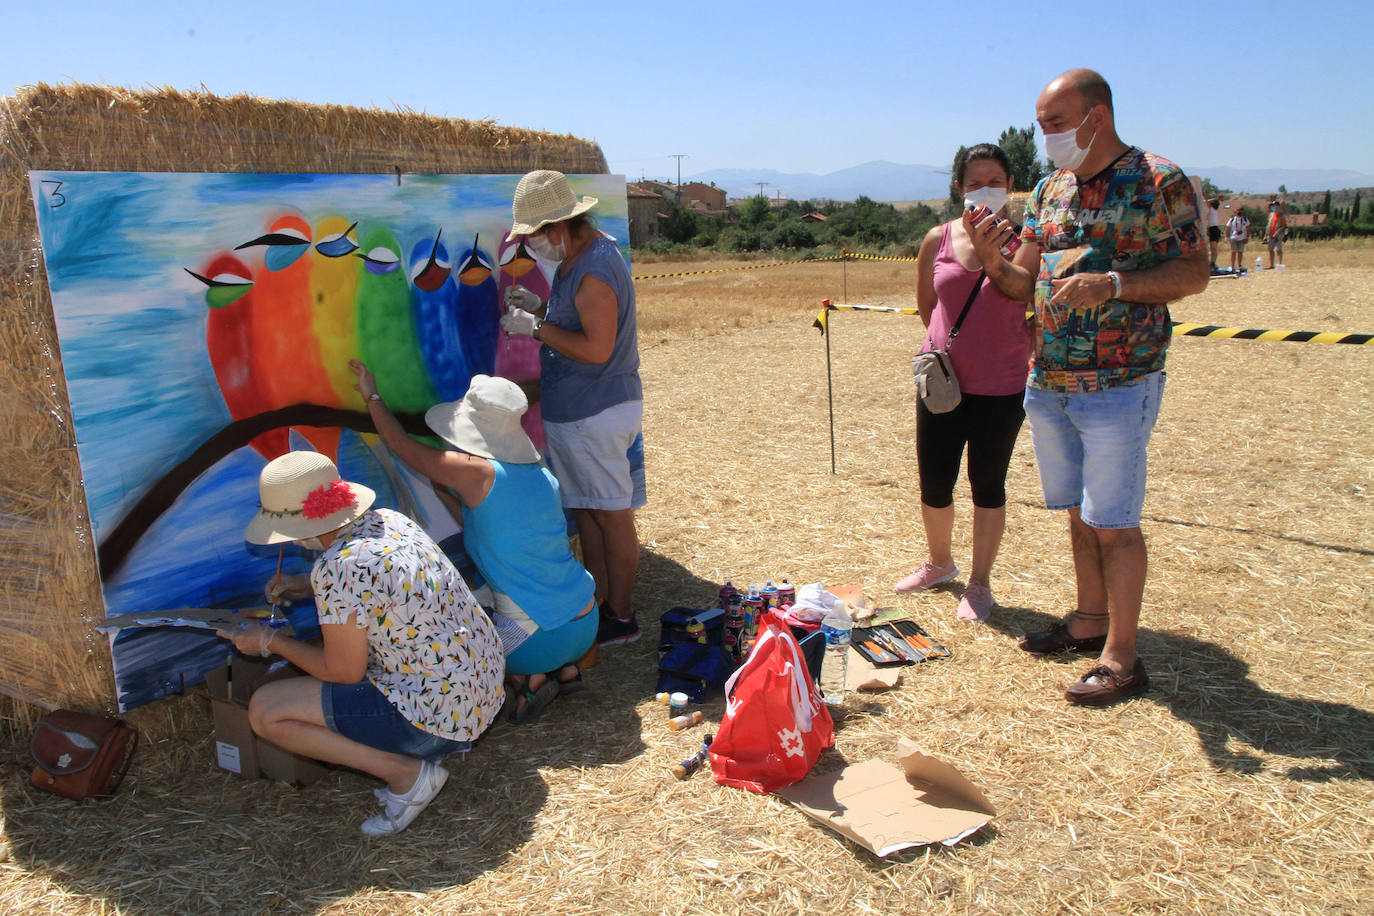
[
  {"x": 362, "y": 713},
  {"x": 1090, "y": 448},
  {"x": 599, "y": 460}
]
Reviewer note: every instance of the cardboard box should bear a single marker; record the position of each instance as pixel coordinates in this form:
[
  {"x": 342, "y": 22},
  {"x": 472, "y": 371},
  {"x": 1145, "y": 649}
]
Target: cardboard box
[
  {"x": 886, "y": 808},
  {"x": 237, "y": 749}
]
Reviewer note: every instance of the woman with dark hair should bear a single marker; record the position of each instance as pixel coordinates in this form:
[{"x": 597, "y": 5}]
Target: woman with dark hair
[{"x": 990, "y": 357}]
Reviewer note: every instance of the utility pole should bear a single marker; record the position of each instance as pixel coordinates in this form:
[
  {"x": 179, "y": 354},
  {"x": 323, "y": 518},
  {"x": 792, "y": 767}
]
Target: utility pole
[
  {"x": 762, "y": 185},
  {"x": 679, "y": 157}
]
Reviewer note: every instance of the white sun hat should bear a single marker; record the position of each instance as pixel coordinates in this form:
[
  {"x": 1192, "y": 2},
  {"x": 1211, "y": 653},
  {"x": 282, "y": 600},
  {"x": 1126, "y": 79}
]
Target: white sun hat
[
  {"x": 486, "y": 421},
  {"x": 301, "y": 495},
  {"x": 542, "y": 197}
]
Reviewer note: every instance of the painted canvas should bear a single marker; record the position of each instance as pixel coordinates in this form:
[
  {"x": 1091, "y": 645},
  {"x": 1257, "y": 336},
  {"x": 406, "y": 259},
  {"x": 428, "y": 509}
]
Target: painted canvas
[{"x": 206, "y": 322}]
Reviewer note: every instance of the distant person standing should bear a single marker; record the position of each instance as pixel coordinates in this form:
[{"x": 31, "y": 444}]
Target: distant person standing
[
  {"x": 1275, "y": 231},
  {"x": 1238, "y": 233},
  {"x": 1111, "y": 237},
  {"x": 1214, "y": 228}
]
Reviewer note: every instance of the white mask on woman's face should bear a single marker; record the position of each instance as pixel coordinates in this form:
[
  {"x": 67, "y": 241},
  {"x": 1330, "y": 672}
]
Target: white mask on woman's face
[
  {"x": 1063, "y": 148},
  {"x": 992, "y": 198},
  {"x": 546, "y": 250},
  {"x": 311, "y": 543}
]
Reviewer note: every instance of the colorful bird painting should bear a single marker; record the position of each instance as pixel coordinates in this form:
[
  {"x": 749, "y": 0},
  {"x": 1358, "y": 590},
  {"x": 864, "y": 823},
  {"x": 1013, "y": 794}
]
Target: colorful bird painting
[
  {"x": 436, "y": 310},
  {"x": 388, "y": 333},
  {"x": 229, "y": 343}
]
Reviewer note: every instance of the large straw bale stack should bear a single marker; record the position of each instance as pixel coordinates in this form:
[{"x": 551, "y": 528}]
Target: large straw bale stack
[{"x": 49, "y": 584}]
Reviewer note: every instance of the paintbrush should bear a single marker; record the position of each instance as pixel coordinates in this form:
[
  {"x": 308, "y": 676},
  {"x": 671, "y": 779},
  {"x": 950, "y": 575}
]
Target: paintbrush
[{"x": 276, "y": 591}]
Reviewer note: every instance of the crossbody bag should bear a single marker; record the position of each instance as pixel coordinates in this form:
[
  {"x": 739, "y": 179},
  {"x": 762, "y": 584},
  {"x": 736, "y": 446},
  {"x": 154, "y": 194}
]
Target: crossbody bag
[{"x": 936, "y": 384}]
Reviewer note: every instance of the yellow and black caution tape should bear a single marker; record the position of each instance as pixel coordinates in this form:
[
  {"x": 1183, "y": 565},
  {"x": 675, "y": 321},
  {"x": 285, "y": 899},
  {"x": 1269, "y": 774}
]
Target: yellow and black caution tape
[
  {"x": 1184, "y": 329},
  {"x": 726, "y": 270},
  {"x": 874, "y": 257},
  {"x": 1180, "y": 328}
]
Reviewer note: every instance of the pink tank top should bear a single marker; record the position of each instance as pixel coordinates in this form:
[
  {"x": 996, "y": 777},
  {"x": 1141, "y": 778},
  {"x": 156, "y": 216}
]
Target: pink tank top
[{"x": 991, "y": 354}]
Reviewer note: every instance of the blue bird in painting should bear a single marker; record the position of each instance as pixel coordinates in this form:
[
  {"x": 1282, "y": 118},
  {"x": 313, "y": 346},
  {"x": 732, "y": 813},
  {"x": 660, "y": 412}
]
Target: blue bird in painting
[
  {"x": 437, "y": 318},
  {"x": 479, "y": 312}
]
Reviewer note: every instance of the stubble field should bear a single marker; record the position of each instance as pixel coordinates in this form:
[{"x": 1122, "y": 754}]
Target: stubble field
[{"x": 1242, "y": 783}]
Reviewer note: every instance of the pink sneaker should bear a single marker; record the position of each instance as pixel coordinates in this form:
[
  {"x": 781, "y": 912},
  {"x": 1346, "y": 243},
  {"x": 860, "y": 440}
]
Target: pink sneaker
[
  {"x": 976, "y": 604},
  {"x": 927, "y": 575}
]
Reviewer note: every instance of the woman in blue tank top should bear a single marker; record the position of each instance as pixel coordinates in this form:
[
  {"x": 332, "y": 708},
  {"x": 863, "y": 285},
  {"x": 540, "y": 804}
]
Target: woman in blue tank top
[
  {"x": 589, "y": 385},
  {"x": 538, "y": 595}
]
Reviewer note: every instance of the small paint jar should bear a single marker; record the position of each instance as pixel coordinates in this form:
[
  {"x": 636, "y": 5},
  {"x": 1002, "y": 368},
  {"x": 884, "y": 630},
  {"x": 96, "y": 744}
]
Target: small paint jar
[{"x": 677, "y": 705}]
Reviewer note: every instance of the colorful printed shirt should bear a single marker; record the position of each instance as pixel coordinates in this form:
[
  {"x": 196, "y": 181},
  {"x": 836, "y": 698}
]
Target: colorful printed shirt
[
  {"x": 1136, "y": 213},
  {"x": 432, "y": 651}
]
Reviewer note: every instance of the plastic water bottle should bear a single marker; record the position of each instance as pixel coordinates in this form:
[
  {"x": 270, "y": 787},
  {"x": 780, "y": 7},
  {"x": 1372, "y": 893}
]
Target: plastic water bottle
[
  {"x": 836, "y": 626},
  {"x": 1259, "y": 264}
]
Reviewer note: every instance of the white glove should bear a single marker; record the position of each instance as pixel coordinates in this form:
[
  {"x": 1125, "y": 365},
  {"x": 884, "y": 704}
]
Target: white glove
[
  {"x": 518, "y": 321},
  {"x": 517, "y": 297},
  {"x": 250, "y": 638}
]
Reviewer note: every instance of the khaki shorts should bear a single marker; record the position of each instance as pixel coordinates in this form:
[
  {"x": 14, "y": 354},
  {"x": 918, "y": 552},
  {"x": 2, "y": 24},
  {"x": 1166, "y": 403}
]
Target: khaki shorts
[{"x": 1238, "y": 244}]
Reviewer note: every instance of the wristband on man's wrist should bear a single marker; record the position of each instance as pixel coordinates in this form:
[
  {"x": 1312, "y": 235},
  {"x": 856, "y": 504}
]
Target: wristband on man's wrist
[
  {"x": 1116, "y": 283},
  {"x": 538, "y": 324}
]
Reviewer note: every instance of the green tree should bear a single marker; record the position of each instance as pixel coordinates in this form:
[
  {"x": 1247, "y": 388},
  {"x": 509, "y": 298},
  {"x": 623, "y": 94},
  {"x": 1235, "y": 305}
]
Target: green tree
[
  {"x": 1019, "y": 145},
  {"x": 1282, "y": 189},
  {"x": 755, "y": 213},
  {"x": 1210, "y": 190},
  {"x": 681, "y": 225},
  {"x": 1326, "y": 204},
  {"x": 1355, "y": 208}
]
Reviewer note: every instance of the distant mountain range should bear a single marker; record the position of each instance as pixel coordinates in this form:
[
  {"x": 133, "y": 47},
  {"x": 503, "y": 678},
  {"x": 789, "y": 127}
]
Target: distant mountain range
[{"x": 893, "y": 181}]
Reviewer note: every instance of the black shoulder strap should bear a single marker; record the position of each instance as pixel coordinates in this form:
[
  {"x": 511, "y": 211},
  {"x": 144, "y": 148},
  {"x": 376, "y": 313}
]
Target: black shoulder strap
[{"x": 954, "y": 331}]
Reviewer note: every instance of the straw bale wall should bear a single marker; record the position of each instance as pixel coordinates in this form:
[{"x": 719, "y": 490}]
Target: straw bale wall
[{"x": 49, "y": 583}]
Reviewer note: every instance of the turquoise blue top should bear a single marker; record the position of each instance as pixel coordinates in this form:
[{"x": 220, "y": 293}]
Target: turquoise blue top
[
  {"x": 569, "y": 390},
  {"x": 518, "y": 538}
]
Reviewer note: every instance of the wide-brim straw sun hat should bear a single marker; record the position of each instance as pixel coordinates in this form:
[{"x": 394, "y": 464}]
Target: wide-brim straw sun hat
[
  {"x": 300, "y": 496},
  {"x": 542, "y": 197},
  {"x": 486, "y": 421}
]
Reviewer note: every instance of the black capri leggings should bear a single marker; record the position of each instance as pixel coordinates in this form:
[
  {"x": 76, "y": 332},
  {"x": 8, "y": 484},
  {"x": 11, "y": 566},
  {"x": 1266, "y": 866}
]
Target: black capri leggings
[{"x": 989, "y": 424}]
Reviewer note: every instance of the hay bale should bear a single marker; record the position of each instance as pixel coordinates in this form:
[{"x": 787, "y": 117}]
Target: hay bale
[{"x": 49, "y": 586}]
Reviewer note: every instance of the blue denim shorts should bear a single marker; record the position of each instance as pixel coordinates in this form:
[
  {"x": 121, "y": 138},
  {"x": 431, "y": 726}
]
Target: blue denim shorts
[
  {"x": 362, "y": 713},
  {"x": 1090, "y": 448}
]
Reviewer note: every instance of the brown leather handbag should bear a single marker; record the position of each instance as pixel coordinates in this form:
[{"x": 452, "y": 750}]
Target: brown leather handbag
[{"x": 80, "y": 755}]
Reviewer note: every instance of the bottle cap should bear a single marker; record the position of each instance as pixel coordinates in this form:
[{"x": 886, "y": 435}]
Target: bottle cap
[{"x": 678, "y": 699}]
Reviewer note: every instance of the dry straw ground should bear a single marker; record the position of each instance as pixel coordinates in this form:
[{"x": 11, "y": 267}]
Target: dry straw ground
[{"x": 1243, "y": 783}]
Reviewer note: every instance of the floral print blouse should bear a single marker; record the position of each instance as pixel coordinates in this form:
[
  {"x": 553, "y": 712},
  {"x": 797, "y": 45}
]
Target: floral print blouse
[{"x": 432, "y": 651}]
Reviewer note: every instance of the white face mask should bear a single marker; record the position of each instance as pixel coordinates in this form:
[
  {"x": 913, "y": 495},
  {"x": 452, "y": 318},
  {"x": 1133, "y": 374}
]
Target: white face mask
[
  {"x": 311, "y": 543},
  {"x": 992, "y": 198},
  {"x": 1063, "y": 148},
  {"x": 546, "y": 250}
]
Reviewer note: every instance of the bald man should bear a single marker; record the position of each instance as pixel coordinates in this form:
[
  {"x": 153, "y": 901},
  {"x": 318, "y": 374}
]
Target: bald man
[{"x": 1110, "y": 238}]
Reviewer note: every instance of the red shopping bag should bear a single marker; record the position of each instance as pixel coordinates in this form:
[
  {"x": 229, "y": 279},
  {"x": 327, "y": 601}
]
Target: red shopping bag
[{"x": 775, "y": 723}]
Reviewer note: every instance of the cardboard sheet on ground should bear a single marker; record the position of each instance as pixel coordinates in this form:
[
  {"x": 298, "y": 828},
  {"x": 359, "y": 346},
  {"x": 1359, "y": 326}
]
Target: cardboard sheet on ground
[
  {"x": 887, "y": 808},
  {"x": 861, "y": 674}
]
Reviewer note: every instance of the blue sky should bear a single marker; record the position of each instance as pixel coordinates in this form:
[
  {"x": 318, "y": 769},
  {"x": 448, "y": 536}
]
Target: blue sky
[{"x": 796, "y": 86}]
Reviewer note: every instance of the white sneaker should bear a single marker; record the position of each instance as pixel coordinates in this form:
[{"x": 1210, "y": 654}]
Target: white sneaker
[{"x": 399, "y": 810}]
